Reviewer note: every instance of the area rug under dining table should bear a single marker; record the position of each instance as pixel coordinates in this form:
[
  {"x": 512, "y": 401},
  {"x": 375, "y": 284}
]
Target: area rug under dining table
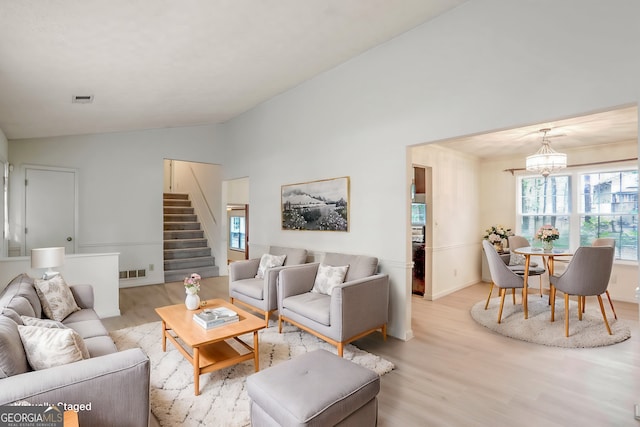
[
  {"x": 223, "y": 399},
  {"x": 538, "y": 328}
]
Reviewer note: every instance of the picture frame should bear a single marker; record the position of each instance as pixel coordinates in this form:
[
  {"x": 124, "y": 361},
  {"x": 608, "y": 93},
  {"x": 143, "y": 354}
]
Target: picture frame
[{"x": 321, "y": 205}]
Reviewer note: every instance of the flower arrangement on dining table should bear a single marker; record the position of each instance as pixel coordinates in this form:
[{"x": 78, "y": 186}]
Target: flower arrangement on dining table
[
  {"x": 192, "y": 284},
  {"x": 547, "y": 233}
]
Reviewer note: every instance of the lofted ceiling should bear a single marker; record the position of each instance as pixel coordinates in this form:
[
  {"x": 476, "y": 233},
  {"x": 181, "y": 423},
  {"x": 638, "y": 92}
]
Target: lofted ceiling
[
  {"x": 618, "y": 125},
  {"x": 165, "y": 63}
]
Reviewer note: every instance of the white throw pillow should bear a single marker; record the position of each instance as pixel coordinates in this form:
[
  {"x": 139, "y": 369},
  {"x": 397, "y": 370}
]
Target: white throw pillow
[
  {"x": 49, "y": 347},
  {"x": 56, "y": 298},
  {"x": 516, "y": 259},
  {"x": 44, "y": 323},
  {"x": 269, "y": 261},
  {"x": 519, "y": 259},
  {"x": 328, "y": 277}
]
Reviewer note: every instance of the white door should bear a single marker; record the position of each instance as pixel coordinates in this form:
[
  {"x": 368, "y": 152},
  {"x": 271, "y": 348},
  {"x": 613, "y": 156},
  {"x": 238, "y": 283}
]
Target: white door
[{"x": 50, "y": 209}]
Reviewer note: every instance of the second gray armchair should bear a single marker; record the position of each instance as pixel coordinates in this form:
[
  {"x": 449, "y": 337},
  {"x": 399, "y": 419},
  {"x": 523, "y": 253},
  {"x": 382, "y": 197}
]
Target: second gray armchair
[{"x": 353, "y": 308}]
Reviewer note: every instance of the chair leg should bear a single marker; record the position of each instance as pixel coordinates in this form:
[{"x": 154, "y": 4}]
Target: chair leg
[
  {"x": 503, "y": 292},
  {"x": 611, "y": 304},
  {"x": 540, "y": 279},
  {"x": 604, "y": 315},
  {"x": 581, "y": 301},
  {"x": 266, "y": 318},
  {"x": 340, "y": 349},
  {"x": 279, "y": 324},
  {"x": 566, "y": 315},
  {"x": 489, "y": 297},
  {"x": 513, "y": 294},
  {"x": 552, "y": 301}
]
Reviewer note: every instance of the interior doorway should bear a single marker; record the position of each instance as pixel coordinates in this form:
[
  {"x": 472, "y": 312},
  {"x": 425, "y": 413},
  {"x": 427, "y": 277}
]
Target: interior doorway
[{"x": 422, "y": 231}]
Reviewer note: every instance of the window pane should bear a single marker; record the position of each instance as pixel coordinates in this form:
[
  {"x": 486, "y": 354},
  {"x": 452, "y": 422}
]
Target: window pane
[
  {"x": 612, "y": 192},
  {"x": 546, "y": 195},
  {"x": 609, "y": 206}
]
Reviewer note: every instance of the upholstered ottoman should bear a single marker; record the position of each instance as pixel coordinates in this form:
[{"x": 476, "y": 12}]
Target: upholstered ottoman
[{"x": 314, "y": 389}]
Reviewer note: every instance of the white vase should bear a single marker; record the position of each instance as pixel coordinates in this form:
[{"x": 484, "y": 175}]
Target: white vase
[
  {"x": 192, "y": 302},
  {"x": 547, "y": 245}
]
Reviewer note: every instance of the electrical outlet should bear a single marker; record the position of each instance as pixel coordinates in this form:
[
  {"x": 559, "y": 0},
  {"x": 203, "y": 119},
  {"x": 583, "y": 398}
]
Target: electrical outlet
[{"x": 151, "y": 267}]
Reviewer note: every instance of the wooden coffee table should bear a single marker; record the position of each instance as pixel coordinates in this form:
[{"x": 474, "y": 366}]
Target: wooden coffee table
[{"x": 211, "y": 349}]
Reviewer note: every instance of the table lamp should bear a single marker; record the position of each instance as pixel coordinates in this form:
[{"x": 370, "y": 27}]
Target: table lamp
[{"x": 47, "y": 258}]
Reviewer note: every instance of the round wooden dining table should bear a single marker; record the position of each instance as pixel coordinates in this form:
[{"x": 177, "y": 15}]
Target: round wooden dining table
[{"x": 547, "y": 259}]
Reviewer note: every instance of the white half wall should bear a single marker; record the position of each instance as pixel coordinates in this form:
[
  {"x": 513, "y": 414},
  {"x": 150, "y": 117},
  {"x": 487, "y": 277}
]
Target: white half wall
[{"x": 98, "y": 270}]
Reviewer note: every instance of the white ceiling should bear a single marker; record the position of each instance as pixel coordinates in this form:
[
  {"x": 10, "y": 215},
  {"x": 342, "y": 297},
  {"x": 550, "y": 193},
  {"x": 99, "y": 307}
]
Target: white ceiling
[
  {"x": 167, "y": 63},
  {"x": 619, "y": 125}
]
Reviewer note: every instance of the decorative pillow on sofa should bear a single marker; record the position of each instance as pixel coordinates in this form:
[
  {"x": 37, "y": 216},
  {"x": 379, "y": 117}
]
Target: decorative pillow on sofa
[
  {"x": 49, "y": 347},
  {"x": 43, "y": 323},
  {"x": 328, "y": 277},
  {"x": 269, "y": 261},
  {"x": 56, "y": 298},
  {"x": 12, "y": 357}
]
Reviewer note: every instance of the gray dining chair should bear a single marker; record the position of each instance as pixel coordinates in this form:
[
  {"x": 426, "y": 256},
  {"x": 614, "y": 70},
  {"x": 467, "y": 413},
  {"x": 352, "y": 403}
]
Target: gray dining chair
[
  {"x": 504, "y": 278},
  {"x": 587, "y": 274},
  {"x": 605, "y": 241},
  {"x": 516, "y": 242}
]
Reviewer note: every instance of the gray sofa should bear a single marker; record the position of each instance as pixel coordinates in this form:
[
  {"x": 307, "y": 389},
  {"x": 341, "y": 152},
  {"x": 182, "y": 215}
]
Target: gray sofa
[
  {"x": 355, "y": 308},
  {"x": 260, "y": 294},
  {"x": 112, "y": 386}
]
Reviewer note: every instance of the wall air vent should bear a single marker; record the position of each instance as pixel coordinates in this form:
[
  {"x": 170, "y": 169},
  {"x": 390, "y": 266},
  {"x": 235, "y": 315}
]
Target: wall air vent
[{"x": 82, "y": 99}]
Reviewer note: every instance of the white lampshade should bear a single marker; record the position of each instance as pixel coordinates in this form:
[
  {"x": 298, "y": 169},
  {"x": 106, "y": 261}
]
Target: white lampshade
[
  {"x": 546, "y": 160},
  {"x": 47, "y": 258}
]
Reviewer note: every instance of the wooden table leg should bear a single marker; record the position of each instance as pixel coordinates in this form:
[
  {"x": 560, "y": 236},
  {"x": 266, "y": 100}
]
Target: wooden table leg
[
  {"x": 256, "y": 352},
  {"x": 525, "y": 289},
  {"x": 164, "y": 336},
  {"x": 196, "y": 371}
]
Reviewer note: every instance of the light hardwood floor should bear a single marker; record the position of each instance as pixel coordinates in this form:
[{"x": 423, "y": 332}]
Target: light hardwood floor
[{"x": 457, "y": 373}]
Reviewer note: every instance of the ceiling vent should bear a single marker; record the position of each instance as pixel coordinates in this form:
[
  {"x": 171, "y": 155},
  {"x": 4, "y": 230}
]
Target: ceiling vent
[{"x": 82, "y": 99}]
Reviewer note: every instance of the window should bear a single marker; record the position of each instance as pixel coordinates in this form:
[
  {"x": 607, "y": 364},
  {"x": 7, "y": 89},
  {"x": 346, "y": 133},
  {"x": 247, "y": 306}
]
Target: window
[
  {"x": 606, "y": 206},
  {"x": 546, "y": 201},
  {"x": 236, "y": 233}
]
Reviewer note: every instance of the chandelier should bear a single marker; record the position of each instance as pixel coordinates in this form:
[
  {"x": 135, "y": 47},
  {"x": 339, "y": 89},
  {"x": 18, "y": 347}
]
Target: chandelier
[{"x": 546, "y": 160}]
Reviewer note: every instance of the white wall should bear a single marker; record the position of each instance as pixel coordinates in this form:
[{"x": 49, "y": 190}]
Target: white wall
[
  {"x": 454, "y": 225},
  {"x": 120, "y": 187},
  {"x": 486, "y": 65}
]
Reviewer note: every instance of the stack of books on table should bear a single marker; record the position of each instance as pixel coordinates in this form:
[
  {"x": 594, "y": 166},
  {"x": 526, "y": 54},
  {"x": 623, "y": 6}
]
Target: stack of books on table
[{"x": 213, "y": 317}]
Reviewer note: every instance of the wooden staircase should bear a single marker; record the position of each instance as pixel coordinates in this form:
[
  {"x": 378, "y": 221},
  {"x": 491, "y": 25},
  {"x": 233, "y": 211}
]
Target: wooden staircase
[{"x": 186, "y": 249}]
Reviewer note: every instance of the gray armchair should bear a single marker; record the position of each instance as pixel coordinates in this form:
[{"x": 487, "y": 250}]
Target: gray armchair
[
  {"x": 355, "y": 308},
  {"x": 587, "y": 274},
  {"x": 260, "y": 294},
  {"x": 503, "y": 278}
]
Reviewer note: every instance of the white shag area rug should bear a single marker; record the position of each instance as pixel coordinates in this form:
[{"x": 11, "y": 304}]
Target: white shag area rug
[
  {"x": 538, "y": 328},
  {"x": 223, "y": 399}
]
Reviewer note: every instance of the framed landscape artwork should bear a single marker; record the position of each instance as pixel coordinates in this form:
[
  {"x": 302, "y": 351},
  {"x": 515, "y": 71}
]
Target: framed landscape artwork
[{"x": 318, "y": 205}]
